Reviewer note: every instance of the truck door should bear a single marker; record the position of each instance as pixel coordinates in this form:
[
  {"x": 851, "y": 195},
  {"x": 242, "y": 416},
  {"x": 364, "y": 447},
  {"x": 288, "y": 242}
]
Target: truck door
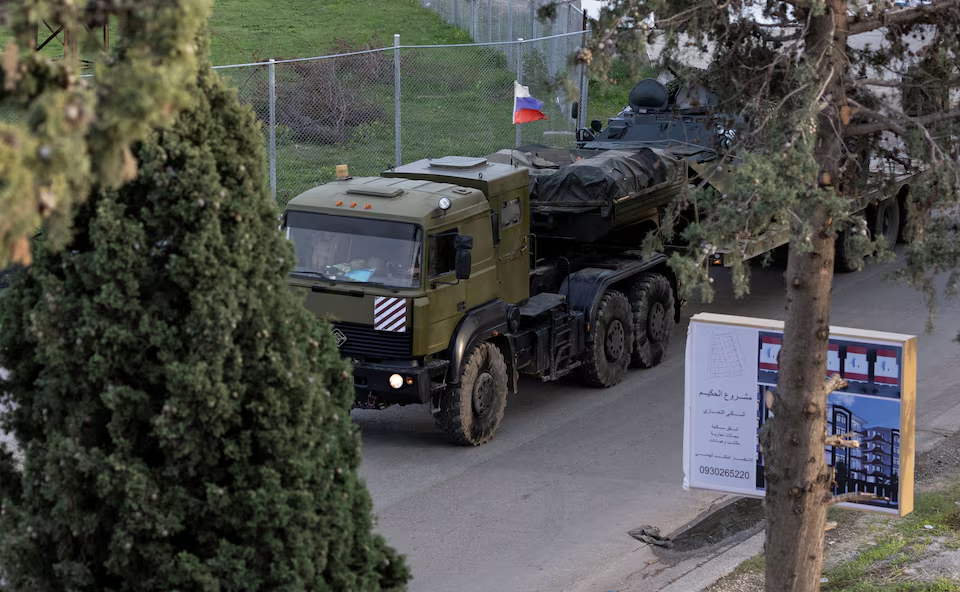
[{"x": 448, "y": 299}]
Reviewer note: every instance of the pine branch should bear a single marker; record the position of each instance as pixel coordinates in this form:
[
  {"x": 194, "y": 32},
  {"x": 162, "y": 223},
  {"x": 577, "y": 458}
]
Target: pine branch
[
  {"x": 929, "y": 14},
  {"x": 853, "y": 496}
]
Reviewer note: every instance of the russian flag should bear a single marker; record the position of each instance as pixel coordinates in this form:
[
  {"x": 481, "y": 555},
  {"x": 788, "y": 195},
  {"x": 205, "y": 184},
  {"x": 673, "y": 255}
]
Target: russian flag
[{"x": 525, "y": 107}]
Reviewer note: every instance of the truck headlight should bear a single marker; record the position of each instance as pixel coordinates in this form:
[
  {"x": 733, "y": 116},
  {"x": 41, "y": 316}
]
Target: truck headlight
[{"x": 396, "y": 381}]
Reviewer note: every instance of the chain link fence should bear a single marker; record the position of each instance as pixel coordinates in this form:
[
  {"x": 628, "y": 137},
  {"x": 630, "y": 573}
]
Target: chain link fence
[
  {"x": 376, "y": 108},
  {"x": 494, "y": 21}
]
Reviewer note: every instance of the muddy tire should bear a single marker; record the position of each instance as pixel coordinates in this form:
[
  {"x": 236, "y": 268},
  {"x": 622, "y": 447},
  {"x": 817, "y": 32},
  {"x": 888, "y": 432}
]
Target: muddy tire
[
  {"x": 608, "y": 356},
  {"x": 884, "y": 220},
  {"x": 652, "y": 305},
  {"x": 471, "y": 413}
]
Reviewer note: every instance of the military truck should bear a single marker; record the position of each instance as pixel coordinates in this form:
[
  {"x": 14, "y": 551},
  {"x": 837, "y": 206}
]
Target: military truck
[
  {"x": 447, "y": 279},
  {"x": 686, "y": 124}
]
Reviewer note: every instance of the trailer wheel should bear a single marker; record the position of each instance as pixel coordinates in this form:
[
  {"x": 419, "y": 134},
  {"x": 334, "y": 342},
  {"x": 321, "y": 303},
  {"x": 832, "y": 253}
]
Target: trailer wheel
[
  {"x": 884, "y": 220},
  {"x": 607, "y": 357},
  {"x": 842, "y": 261},
  {"x": 651, "y": 300},
  {"x": 471, "y": 413}
]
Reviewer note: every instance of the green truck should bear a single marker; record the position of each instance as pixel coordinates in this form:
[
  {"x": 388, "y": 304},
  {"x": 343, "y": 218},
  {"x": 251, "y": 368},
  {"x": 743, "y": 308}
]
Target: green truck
[{"x": 447, "y": 279}]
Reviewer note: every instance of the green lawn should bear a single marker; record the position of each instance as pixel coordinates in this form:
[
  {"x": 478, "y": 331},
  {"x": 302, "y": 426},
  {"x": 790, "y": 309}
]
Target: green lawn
[{"x": 251, "y": 30}]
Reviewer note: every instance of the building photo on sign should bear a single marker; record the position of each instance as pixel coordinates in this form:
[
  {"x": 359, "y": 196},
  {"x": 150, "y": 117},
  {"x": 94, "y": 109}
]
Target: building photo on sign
[{"x": 731, "y": 363}]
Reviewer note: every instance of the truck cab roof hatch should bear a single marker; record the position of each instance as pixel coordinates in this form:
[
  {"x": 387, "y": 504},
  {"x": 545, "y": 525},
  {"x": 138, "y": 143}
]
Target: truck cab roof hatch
[
  {"x": 458, "y": 162},
  {"x": 375, "y": 191}
]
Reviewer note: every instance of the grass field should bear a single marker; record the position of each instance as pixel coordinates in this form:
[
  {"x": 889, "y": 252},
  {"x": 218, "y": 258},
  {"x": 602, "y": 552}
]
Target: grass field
[{"x": 250, "y": 30}]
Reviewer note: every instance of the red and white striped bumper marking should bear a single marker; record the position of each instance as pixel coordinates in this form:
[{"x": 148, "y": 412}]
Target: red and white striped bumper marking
[{"x": 390, "y": 314}]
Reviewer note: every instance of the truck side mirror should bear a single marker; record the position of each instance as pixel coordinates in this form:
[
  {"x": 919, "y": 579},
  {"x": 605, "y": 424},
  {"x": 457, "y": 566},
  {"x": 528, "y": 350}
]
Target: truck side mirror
[
  {"x": 575, "y": 110},
  {"x": 596, "y": 125},
  {"x": 464, "y": 260}
]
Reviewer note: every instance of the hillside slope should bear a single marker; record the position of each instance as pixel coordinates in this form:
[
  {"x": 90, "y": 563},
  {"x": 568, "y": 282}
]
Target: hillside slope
[{"x": 252, "y": 30}]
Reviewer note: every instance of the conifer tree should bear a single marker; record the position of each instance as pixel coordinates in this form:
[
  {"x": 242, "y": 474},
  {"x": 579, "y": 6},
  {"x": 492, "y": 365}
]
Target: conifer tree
[
  {"x": 185, "y": 420},
  {"x": 59, "y": 133}
]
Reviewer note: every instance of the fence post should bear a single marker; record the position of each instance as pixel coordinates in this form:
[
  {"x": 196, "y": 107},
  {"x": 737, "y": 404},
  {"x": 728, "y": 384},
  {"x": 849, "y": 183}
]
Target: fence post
[
  {"x": 273, "y": 128},
  {"x": 473, "y": 21},
  {"x": 490, "y": 21},
  {"x": 520, "y": 80},
  {"x": 584, "y": 81},
  {"x": 510, "y": 22},
  {"x": 456, "y": 13},
  {"x": 396, "y": 97},
  {"x": 533, "y": 19}
]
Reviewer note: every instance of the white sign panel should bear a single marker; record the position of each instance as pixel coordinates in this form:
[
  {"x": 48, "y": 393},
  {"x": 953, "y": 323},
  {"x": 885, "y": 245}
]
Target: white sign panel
[
  {"x": 731, "y": 362},
  {"x": 721, "y": 421}
]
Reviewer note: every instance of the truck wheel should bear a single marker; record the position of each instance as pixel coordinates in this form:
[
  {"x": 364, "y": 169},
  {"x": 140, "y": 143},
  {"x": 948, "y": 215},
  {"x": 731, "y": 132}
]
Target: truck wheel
[
  {"x": 471, "y": 413},
  {"x": 842, "y": 262},
  {"x": 606, "y": 359},
  {"x": 885, "y": 220},
  {"x": 651, "y": 300}
]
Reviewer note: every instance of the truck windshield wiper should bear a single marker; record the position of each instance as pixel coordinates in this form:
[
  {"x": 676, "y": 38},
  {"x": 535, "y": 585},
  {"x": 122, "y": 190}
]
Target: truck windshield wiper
[
  {"x": 312, "y": 273},
  {"x": 375, "y": 284}
]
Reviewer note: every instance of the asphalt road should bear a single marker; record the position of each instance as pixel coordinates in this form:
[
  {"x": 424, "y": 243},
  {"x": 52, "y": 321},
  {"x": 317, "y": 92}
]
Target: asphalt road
[{"x": 547, "y": 504}]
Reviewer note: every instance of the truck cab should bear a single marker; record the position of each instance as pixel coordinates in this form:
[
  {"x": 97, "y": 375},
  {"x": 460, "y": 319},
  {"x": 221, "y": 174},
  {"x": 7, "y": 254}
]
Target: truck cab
[{"x": 396, "y": 263}]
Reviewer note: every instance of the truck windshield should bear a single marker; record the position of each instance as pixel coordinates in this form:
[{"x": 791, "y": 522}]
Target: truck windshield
[{"x": 361, "y": 250}]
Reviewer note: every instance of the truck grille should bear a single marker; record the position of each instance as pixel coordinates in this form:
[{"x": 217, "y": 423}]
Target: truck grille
[{"x": 362, "y": 341}]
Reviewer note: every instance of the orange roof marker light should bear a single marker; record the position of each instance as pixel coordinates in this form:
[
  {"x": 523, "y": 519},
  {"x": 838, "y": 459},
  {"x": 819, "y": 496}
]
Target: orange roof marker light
[
  {"x": 367, "y": 207},
  {"x": 353, "y": 205},
  {"x": 339, "y": 203}
]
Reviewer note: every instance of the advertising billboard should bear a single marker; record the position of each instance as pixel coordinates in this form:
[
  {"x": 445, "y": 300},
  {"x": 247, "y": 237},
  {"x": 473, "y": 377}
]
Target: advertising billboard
[{"x": 731, "y": 363}]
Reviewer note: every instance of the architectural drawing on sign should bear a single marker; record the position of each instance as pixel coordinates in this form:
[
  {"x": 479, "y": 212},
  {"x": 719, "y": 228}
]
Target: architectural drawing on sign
[{"x": 726, "y": 357}]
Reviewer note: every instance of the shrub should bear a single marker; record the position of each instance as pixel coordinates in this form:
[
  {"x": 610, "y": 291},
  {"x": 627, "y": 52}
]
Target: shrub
[{"x": 184, "y": 419}]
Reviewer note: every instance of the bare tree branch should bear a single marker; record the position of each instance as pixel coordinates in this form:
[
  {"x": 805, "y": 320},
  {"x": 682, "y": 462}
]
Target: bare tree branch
[
  {"x": 840, "y": 442},
  {"x": 923, "y": 14},
  {"x": 884, "y": 123},
  {"x": 875, "y": 82},
  {"x": 834, "y": 383},
  {"x": 853, "y": 496}
]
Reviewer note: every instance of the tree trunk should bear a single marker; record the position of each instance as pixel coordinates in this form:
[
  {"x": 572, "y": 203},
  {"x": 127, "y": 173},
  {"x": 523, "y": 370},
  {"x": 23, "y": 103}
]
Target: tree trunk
[{"x": 798, "y": 479}]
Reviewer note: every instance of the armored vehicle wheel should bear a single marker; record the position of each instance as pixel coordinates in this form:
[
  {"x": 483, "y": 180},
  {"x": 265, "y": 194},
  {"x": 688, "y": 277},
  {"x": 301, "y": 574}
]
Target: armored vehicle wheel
[
  {"x": 884, "y": 219},
  {"x": 471, "y": 413},
  {"x": 606, "y": 359},
  {"x": 651, "y": 301}
]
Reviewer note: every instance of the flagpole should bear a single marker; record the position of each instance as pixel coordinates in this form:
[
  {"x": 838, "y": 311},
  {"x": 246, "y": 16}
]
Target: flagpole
[{"x": 519, "y": 79}]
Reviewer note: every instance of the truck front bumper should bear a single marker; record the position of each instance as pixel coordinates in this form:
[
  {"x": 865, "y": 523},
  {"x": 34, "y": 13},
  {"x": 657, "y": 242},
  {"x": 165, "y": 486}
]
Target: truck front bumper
[{"x": 418, "y": 383}]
